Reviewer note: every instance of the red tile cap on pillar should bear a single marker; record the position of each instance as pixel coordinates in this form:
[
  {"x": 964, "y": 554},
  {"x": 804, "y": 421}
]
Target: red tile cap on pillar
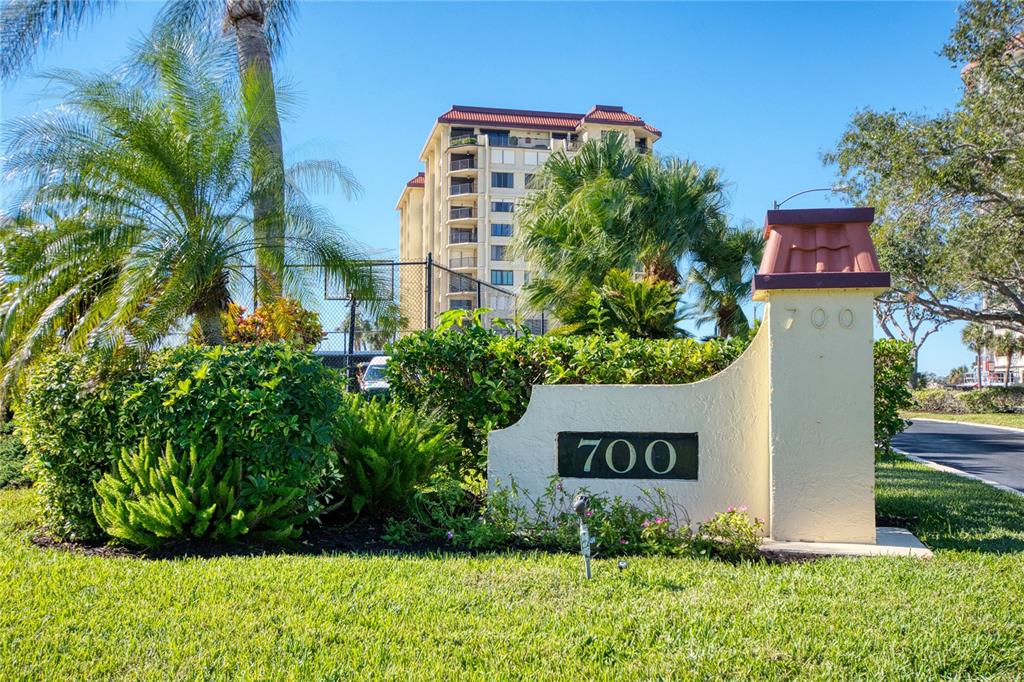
[{"x": 819, "y": 248}]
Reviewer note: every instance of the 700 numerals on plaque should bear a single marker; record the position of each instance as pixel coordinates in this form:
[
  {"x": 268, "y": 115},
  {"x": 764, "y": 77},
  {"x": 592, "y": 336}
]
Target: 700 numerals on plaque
[{"x": 612, "y": 454}]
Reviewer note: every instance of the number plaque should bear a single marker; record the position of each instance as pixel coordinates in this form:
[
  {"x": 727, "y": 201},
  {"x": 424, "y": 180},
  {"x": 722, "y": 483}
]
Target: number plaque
[{"x": 612, "y": 454}]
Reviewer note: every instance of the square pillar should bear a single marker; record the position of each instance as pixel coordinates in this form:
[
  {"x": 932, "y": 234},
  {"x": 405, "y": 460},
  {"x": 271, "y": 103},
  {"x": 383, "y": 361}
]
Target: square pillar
[{"x": 819, "y": 276}]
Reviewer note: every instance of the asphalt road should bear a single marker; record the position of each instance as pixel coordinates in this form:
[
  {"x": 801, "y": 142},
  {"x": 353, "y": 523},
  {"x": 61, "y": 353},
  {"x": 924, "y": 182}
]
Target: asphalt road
[{"x": 993, "y": 454}]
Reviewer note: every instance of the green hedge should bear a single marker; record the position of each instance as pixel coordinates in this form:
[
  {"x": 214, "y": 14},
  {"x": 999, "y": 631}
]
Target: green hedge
[
  {"x": 893, "y": 368},
  {"x": 979, "y": 400},
  {"x": 12, "y": 459},
  {"x": 273, "y": 405},
  {"x": 478, "y": 380}
]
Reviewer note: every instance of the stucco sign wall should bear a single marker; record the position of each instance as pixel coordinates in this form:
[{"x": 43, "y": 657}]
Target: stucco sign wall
[{"x": 787, "y": 429}]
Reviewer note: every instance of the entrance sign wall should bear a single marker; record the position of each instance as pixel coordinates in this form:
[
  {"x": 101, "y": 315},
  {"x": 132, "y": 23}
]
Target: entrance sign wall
[{"x": 787, "y": 429}]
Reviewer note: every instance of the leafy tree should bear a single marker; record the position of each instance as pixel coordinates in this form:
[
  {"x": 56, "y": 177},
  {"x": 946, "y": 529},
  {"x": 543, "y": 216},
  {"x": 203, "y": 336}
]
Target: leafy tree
[
  {"x": 978, "y": 339},
  {"x": 258, "y": 27},
  {"x": 610, "y": 207},
  {"x": 721, "y": 277},
  {"x": 950, "y": 189},
  {"x": 137, "y": 210},
  {"x": 901, "y": 317}
]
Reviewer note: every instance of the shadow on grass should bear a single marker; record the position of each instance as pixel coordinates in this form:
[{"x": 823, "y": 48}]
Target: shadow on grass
[{"x": 950, "y": 512}]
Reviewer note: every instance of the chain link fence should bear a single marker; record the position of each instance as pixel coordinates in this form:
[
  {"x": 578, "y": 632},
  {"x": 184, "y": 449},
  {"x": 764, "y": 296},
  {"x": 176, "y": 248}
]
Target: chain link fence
[{"x": 412, "y": 296}]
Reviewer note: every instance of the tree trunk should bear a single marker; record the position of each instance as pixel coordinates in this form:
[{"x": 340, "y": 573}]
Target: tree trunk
[
  {"x": 913, "y": 359},
  {"x": 245, "y": 17},
  {"x": 978, "y": 367},
  {"x": 211, "y": 326},
  {"x": 1009, "y": 362}
]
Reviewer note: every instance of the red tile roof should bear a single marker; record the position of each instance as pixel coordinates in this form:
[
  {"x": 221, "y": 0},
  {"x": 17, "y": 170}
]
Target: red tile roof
[
  {"x": 543, "y": 120},
  {"x": 819, "y": 248},
  {"x": 418, "y": 181}
]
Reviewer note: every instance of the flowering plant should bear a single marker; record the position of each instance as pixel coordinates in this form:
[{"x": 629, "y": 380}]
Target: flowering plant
[{"x": 732, "y": 535}]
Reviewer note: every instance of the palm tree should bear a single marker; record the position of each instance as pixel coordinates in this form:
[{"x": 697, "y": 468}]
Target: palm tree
[
  {"x": 977, "y": 339},
  {"x": 721, "y": 275},
  {"x": 259, "y": 28},
  {"x": 609, "y": 207},
  {"x": 138, "y": 211},
  {"x": 1008, "y": 344}
]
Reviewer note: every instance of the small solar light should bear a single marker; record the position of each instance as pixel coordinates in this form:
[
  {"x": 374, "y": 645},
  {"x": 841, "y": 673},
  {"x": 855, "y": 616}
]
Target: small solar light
[{"x": 580, "y": 505}]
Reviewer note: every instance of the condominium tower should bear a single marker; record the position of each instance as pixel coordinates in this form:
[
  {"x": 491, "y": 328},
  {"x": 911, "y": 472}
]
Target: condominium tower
[{"x": 458, "y": 211}]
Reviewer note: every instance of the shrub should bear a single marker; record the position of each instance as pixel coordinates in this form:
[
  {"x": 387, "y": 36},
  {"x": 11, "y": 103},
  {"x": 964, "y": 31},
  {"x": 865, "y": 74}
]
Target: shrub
[
  {"x": 68, "y": 417},
  {"x": 731, "y": 535},
  {"x": 273, "y": 405},
  {"x": 12, "y": 460},
  {"x": 479, "y": 380},
  {"x": 939, "y": 400},
  {"x": 893, "y": 368},
  {"x": 994, "y": 399},
  {"x": 385, "y": 452},
  {"x": 148, "y": 500},
  {"x": 283, "y": 319}
]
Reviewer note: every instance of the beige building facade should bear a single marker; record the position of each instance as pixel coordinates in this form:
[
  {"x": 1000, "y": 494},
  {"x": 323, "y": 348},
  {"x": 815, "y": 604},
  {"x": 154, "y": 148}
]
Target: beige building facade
[{"x": 459, "y": 211}]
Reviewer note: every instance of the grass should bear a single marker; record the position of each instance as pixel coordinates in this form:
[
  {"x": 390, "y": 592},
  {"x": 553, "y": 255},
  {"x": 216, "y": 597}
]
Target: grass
[
  {"x": 524, "y": 615},
  {"x": 1015, "y": 420}
]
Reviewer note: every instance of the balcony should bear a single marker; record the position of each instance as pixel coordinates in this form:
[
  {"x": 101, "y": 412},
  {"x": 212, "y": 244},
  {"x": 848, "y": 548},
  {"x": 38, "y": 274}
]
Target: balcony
[
  {"x": 462, "y": 141},
  {"x": 460, "y": 212},
  {"x": 462, "y": 262},
  {"x": 461, "y": 188},
  {"x": 462, "y": 237},
  {"x": 462, "y": 164}
]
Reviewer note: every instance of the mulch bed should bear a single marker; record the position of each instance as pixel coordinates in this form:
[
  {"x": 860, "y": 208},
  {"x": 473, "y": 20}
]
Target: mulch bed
[{"x": 361, "y": 537}]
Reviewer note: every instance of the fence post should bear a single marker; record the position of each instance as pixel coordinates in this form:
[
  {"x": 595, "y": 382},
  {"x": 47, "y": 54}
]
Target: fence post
[
  {"x": 479, "y": 294},
  {"x": 352, "y": 342},
  {"x": 429, "y": 321}
]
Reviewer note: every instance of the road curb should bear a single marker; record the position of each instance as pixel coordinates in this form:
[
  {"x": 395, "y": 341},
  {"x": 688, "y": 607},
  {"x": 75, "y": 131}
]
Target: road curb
[
  {"x": 958, "y": 472},
  {"x": 1013, "y": 429}
]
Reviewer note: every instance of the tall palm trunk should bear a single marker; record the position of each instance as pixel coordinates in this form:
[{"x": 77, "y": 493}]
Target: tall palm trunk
[
  {"x": 245, "y": 17},
  {"x": 978, "y": 367},
  {"x": 1009, "y": 363}
]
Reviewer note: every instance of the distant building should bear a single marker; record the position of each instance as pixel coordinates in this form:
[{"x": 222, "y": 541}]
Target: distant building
[{"x": 477, "y": 163}]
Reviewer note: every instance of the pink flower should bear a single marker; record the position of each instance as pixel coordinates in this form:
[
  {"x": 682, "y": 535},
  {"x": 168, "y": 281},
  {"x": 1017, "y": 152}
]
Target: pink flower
[
  {"x": 588, "y": 513},
  {"x": 743, "y": 508},
  {"x": 729, "y": 510},
  {"x": 623, "y": 541}
]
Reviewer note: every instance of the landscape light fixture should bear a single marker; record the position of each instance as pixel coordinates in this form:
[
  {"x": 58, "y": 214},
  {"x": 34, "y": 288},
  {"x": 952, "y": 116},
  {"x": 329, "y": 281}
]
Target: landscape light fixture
[
  {"x": 580, "y": 505},
  {"x": 776, "y": 205}
]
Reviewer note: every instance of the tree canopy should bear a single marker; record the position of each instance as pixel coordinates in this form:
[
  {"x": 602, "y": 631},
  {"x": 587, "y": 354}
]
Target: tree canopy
[{"x": 949, "y": 189}]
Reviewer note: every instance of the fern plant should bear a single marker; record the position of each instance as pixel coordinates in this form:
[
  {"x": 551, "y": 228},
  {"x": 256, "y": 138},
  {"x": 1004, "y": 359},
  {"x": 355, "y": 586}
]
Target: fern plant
[
  {"x": 148, "y": 500},
  {"x": 385, "y": 452}
]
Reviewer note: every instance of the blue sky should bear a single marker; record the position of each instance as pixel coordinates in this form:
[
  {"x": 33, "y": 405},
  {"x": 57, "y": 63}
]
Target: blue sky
[{"x": 759, "y": 90}]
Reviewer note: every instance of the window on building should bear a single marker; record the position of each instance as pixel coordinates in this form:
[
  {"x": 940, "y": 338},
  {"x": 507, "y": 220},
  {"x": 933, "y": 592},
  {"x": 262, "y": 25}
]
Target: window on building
[
  {"x": 530, "y": 158},
  {"x": 502, "y": 180},
  {"x": 501, "y": 277},
  {"x": 498, "y": 252},
  {"x": 501, "y": 229},
  {"x": 506, "y": 156},
  {"x": 460, "y": 304},
  {"x": 496, "y": 138},
  {"x": 528, "y": 180},
  {"x": 502, "y": 206}
]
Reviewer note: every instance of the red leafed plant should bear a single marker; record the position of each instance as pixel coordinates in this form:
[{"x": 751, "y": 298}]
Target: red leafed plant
[{"x": 281, "y": 320}]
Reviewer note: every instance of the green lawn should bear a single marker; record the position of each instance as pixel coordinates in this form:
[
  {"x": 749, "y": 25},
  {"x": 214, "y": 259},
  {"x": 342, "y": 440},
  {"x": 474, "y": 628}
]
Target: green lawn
[
  {"x": 69, "y": 616},
  {"x": 997, "y": 419}
]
